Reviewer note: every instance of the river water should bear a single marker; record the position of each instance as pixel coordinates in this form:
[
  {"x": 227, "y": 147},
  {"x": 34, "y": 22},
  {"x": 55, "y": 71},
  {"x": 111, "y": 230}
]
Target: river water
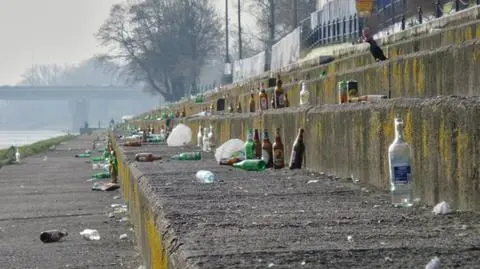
[{"x": 19, "y": 138}]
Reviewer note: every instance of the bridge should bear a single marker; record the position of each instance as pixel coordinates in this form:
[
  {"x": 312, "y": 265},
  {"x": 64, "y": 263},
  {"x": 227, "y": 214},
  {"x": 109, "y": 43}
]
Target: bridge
[
  {"x": 86, "y": 92},
  {"x": 78, "y": 97}
]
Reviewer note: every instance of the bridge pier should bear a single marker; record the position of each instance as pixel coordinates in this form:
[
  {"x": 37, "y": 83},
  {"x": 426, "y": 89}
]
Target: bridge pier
[{"x": 79, "y": 113}]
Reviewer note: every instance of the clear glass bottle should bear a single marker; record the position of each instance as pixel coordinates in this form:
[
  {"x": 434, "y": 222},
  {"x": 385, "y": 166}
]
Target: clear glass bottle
[
  {"x": 199, "y": 137},
  {"x": 205, "y": 139},
  {"x": 399, "y": 157},
  {"x": 211, "y": 139},
  {"x": 304, "y": 95}
]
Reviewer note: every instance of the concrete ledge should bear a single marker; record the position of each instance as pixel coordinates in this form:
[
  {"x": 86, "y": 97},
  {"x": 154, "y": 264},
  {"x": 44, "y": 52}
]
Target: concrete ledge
[{"x": 352, "y": 140}]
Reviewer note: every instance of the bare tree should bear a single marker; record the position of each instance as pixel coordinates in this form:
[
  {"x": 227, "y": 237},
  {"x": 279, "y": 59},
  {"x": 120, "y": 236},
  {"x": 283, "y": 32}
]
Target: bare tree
[
  {"x": 283, "y": 19},
  {"x": 163, "y": 43},
  {"x": 42, "y": 75}
]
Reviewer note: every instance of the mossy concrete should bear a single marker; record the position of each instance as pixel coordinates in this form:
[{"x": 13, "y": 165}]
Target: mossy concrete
[{"x": 352, "y": 140}]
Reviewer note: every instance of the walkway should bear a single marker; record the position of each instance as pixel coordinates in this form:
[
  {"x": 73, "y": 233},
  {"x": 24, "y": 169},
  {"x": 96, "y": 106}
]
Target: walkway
[
  {"x": 295, "y": 219},
  {"x": 48, "y": 194}
]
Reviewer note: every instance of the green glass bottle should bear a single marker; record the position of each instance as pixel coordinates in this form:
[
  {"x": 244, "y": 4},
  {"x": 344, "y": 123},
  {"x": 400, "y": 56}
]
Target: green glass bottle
[
  {"x": 188, "y": 156},
  {"x": 88, "y": 151},
  {"x": 97, "y": 159},
  {"x": 82, "y": 155},
  {"x": 101, "y": 175},
  {"x": 249, "y": 146},
  {"x": 251, "y": 165}
]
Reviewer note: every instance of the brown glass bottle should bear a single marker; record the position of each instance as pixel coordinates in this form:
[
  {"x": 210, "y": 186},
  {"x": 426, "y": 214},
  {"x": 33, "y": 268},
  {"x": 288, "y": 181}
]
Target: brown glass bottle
[
  {"x": 184, "y": 113},
  {"x": 267, "y": 155},
  {"x": 258, "y": 145},
  {"x": 263, "y": 98},
  {"x": 278, "y": 152},
  {"x": 230, "y": 161},
  {"x": 252, "y": 103},
  {"x": 279, "y": 95},
  {"x": 298, "y": 151}
]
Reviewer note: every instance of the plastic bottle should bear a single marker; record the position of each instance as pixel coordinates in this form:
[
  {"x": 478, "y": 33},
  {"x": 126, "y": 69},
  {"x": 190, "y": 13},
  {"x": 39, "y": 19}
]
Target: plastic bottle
[
  {"x": 199, "y": 137},
  {"x": 399, "y": 157},
  {"x": 204, "y": 176},
  {"x": 90, "y": 234},
  {"x": 52, "y": 236}
]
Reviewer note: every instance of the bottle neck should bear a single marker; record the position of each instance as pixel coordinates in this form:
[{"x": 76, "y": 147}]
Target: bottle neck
[
  {"x": 256, "y": 137},
  {"x": 265, "y": 136},
  {"x": 399, "y": 133}
]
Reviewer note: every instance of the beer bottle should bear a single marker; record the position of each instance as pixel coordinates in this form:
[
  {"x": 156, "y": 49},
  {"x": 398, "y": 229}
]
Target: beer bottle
[
  {"x": 258, "y": 145},
  {"x": 267, "y": 149},
  {"x": 278, "y": 154},
  {"x": 263, "y": 99},
  {"x": 249, "y": 146},
  {"x": 252, "y": 103},
  {"x": 146, "y": 157},
  {"x": 279, "y": 95},
  {"x": 298, "y": 151},
  {"x": 184, "y": 113}
]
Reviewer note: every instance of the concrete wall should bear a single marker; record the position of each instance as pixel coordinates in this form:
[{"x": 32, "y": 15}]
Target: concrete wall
[{"x": 352, "y": 140}]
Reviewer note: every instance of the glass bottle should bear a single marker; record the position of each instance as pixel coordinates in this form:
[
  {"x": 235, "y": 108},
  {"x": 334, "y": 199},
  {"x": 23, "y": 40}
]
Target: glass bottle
[
  {"x": 211, "y": 139},
  {"x": 399, "y": 157},
  {"x": 279, "y": 95},
  {"x": 204, "y": 176},
  {"x": 304, "y": 95},
  {"x": 187, "y": 156},
  {"x": 257, "y": 144},
  {"x": 199, "y": 137},
  {"x": 205, "y": 140},
  {"x": 251, "y": 165},
  {"x": 230, "y": 161},
  {"x": 146, "y": 157},
  {"x": 267, "y": 149},
  {"x": 52, "y": 236},
  {"x": 278, "y": 152},
  {"x": 252, "y": 103},
  {"x": 239, "y": 107},
  {"x": 263, "y": 98},
  {"x": 298, "y": 151},
  {"x": 287, "y": 102},
  {"x": 249, "y": 146}
]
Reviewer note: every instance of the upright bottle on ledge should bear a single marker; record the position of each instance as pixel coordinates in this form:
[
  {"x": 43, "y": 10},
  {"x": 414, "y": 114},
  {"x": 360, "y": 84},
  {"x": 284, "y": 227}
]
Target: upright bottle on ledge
[
  {"x": 399, "y": 157},
  {"x": 211, "y": 139},
  {"x": 304, "y": 95},
  {"x": 205, "y": 140},
  {"x": 199, "y": 137},
  {"x": 278, "y": 152},
  {"x": 249, "y": 146}
]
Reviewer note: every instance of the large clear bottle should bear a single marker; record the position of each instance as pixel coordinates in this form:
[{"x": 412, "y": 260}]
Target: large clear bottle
[{"x": 399, "y": 158}]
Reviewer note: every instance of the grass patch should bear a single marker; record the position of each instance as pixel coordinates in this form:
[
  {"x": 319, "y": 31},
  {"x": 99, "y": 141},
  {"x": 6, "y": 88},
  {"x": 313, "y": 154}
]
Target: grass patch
[{"x": 7, "y": 156}]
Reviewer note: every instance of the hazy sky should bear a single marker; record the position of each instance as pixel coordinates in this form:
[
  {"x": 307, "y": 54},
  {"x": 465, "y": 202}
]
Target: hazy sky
[{"x": 51, "y": 31}]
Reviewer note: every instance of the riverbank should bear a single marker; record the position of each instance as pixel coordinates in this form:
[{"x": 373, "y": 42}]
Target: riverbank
[
  {"x": 7, "y": 156},
  {"x": 52, "y": 193}
]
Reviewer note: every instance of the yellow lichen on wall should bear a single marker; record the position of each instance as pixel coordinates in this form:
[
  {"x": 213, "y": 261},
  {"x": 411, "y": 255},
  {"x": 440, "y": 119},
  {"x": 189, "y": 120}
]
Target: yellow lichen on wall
[
  {"x": 408, "y": 126},
  {"x": 158, "y": 259},
  {"x": 425, "y": 138},
  {"x": 445, "y": 147}
]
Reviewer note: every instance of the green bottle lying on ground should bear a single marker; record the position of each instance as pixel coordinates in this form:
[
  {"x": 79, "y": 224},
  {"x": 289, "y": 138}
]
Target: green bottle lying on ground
[
  {"x": 82, "y": 155},
  {"x": 251, "y": 165},
  {"x": 101, "y": 175},
  {"x": 187, "y": 156},
  {"x": 97, "y": 159}
]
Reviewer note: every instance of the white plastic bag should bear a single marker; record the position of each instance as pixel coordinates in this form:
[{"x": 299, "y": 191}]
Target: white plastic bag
[{"x": 180, "y": 136}]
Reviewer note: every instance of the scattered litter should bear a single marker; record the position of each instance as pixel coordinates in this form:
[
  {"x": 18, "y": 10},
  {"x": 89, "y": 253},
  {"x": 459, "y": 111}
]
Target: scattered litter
[
  {"x": 364, "y": 190},
  {"x": 90, "y": 234},
  {"x": 271, "y": 264},
  {"x": 123, "y": 219},
  {"x": 105, "y": 186},
  {"x": 312, "y": 181},
  {"x": 204, "y": 176},
  {"x": 350, "y": 238},
  {"x": 123, "y": 236},
  {"x": 388, "y": 259},
  {"x": 180, "y": 136},
  {"x": 117, "y": 205},
  {"x": 303, "y": 263},
  {"x": 376, "y": 206},
  {"x": 231, "y": 148},
  {"x": 120, "y": 210},
  {"x": 433, "y": 264},
  {"x": 442, "y": 209},
  {"x": 52, "y": 236},
  {"x": 111, "y": 215},
  {"x": 116, "y": 197}
]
